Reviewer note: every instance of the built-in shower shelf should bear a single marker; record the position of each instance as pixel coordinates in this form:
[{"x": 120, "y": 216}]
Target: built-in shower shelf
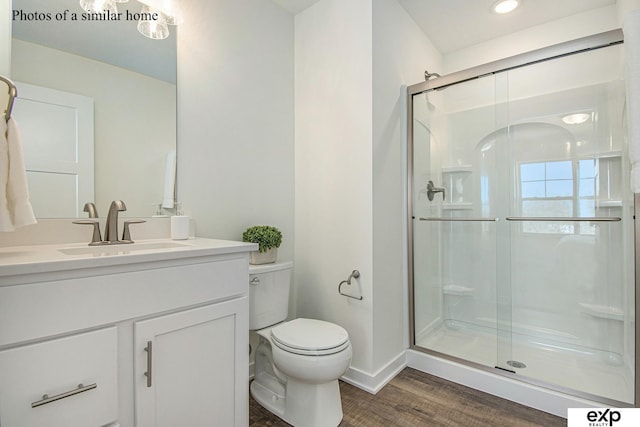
[
  {"x": 603, "y": 311},
  {"x": 457, "y": 168},
  {"x": 457, "y": 290},
  {"x": 465, "y": 206},
  {"x": 608, "y": 203},
  {"x": 608, "y": 154}
]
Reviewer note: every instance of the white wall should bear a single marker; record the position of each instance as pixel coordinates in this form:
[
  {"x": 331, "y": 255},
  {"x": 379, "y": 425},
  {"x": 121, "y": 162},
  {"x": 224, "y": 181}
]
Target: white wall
[
  {"x": 127, "y": 148},
  {"x": 235, "y": 118},
  {"x": 401, "y": 53},
  {"x": 349, "y": 171},
  {"x": 5, "y": 38},
  {"x": 333, "y": 167},
  {"x": 570, "y": 28},
  {"x": 624, "y": 7}
]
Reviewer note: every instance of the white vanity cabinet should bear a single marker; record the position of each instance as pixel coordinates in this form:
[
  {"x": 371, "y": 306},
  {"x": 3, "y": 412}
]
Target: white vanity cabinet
[
  {"x": 78, "y": 375},
  {"x": 184, "y": 367},
  {"x": 149, "y": 340}
]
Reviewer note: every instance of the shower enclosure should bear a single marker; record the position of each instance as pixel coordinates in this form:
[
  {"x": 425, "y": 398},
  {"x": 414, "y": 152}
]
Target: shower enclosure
[{"x": 521, "y": 219}]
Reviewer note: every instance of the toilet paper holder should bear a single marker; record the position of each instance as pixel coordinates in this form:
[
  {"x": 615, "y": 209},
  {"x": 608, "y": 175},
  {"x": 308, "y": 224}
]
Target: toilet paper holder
[{"x": 354, "y": 275}]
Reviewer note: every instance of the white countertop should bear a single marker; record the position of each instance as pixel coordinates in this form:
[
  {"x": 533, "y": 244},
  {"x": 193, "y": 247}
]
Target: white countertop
[{"x": 17, "y": 260}]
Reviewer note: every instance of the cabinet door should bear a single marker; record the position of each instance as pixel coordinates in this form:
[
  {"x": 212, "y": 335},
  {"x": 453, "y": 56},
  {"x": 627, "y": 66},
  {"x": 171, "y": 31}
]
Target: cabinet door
[
  {"x": 191, "y": 367},
  {"x": 57, "y": 368}
]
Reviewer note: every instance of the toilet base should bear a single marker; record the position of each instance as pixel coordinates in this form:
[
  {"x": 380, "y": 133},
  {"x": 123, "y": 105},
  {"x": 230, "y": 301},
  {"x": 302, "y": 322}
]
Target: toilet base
[
  {"x": 304, "y": 404},
  {"x": 267, "y": 398}
]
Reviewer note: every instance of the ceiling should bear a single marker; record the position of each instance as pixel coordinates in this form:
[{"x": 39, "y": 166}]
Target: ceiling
[
  {"x": 454, "y": 24},
  {"x": 450, "y": 24}
]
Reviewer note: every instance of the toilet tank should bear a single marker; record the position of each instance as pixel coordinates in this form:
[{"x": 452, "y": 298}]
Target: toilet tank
[{"x": 268, "y": 293}]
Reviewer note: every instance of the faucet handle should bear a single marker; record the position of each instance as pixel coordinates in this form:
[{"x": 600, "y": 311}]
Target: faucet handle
[
  {"x": 90, "y": 208},
  {"x": 432, "y": 190},
  {"x": 96, "y": 239},
  {"x": 126, "y": 234}
]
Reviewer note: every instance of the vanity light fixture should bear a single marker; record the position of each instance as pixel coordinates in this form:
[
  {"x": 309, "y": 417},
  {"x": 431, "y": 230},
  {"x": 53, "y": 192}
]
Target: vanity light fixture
[
  {"x": 154, "y": 19},
  {"x": 99, "y": 6},
  {"x": 169, "y": 13},
  {"x": 153, "y": 23},
  {"x": 505, "y": 6},
  {"x": 170, "y": 8},
  {"x": 576, "y": 118}
]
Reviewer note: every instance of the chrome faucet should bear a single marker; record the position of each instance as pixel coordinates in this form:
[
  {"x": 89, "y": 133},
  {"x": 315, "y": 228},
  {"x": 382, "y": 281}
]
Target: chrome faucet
[{"x": 111, "y": 227}]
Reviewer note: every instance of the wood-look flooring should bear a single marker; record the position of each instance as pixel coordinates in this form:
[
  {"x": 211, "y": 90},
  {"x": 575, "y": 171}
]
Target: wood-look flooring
[{"x": 414, "y": 398}]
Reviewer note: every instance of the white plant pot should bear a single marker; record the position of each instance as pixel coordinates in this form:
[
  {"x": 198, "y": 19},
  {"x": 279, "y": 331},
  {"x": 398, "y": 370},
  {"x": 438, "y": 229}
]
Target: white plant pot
[{"x": 256, "y": 257}]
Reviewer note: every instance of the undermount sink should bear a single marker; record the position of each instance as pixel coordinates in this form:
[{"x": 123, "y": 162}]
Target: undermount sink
[{"x": 107, "y": 250}]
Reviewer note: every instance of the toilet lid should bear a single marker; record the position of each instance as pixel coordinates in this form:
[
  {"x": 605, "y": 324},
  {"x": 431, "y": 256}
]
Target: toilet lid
[{"x": 310, "y": 337}]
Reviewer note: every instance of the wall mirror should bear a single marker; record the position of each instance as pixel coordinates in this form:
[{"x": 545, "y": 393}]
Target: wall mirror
[{"x": 93, "y": 89}]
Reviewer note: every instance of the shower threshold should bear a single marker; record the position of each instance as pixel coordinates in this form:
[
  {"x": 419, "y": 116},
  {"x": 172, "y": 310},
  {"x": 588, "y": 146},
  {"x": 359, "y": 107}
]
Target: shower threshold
[{"x": 588, "y": 371}]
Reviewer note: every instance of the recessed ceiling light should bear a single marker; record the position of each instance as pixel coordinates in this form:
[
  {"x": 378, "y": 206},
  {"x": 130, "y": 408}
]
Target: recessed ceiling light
[
  {"x": 505, "y": 6},
  {"x": 576, "y": 118}
]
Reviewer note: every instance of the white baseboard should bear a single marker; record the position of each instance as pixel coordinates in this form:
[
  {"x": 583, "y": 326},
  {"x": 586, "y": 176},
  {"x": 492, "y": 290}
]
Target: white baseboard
[
  {"x": 372, "y": 383},
  {"x": 526, "y": 394},
  {"x": 362, "y": 380}
]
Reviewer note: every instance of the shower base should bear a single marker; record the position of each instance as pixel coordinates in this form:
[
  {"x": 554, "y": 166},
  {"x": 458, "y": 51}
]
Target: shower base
[{"x": 584, "y": 370}]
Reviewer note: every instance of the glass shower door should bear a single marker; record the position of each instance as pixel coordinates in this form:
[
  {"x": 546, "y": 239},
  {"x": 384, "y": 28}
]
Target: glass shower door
[
  {"x": 522, "y": 225},
  {"x": 571, "y": 225},
  {"x": 455, "y": 224}
]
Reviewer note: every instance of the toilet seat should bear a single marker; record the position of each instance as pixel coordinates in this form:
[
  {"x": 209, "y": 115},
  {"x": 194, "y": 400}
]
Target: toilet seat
[{"x": 310, "y": 337}]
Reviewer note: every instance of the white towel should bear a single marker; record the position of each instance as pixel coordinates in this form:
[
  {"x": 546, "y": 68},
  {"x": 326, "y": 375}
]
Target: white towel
[
  {"x": 631, "y": 31},
  {"x": 5, "y": 217},
  {"x": 169, "y": 181},
  {"x": 15, "y": 208}
]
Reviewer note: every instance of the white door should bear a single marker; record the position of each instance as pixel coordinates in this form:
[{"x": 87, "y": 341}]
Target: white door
[
  {"x": 198, "y": 364},
  {"x": 56, "y": 129}
]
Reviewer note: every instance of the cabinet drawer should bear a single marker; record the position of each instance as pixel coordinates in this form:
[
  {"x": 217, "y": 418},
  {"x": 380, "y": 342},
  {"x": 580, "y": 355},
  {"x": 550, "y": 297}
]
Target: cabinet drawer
[
  {"x": 56, "y": 368},
  {"x": 38, "y": 310}
]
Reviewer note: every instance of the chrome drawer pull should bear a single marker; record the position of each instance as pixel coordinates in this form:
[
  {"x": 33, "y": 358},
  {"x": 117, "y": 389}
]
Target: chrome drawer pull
[
  {"x": 149, "y": 350},
  {"x": 46, "y": 399}
]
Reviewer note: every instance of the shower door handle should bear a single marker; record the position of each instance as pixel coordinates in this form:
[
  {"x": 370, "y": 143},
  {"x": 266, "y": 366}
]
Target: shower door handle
[{"x": 432, "y": 190}]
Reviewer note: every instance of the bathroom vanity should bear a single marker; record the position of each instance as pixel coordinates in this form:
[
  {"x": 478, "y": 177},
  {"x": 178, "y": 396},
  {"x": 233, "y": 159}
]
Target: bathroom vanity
[{"x": 150, "y": 334}]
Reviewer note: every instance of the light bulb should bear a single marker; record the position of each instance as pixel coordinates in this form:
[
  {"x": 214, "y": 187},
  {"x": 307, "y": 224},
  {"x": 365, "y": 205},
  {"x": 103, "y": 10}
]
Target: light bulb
[
  {"x": 153, "y": 23},
  {"x": 576, "y": 118},
  {"x": 505, "y": 6}
]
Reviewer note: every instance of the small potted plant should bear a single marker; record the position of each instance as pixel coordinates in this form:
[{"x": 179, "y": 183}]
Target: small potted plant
[{"x": 268, "y": 238}]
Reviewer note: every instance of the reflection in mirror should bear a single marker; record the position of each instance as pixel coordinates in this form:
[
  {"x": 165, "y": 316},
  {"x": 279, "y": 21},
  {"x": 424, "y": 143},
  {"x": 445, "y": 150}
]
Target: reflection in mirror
[{"x": 96, "y": 109}]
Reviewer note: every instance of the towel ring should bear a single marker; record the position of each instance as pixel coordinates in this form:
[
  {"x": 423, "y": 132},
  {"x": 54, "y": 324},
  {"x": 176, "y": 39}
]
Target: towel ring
[
  {"x": 354, "y": 275},
  {"x": 13, "y": 93}
]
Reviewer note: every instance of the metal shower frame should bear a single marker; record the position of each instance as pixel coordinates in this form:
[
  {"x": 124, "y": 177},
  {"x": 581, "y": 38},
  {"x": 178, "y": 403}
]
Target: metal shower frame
[{"x": 585, "y": 44}]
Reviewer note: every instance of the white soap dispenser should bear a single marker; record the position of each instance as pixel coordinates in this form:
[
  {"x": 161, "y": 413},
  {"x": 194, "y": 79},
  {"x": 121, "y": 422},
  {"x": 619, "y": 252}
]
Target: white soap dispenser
[{"x": 179, "y": 224}]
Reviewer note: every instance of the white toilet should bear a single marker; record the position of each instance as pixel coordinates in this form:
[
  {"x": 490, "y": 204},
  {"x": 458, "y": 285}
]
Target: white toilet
[{"x": 297, "y": 363}]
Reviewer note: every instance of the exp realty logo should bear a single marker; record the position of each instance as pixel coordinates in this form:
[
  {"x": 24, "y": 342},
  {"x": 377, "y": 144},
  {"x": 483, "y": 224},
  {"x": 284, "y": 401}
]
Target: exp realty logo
[{"x": 603, "y": 417}]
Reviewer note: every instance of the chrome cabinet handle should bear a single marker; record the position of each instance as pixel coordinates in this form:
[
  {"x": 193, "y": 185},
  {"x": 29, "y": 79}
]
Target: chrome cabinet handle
[
  {"x": 46, "y": 399},
  {"x": 255, "y": 281},
  {"x": 149, "y": 350}
]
